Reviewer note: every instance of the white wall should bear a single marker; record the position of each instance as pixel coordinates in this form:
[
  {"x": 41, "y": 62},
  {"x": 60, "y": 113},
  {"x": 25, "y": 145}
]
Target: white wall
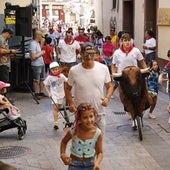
[
  {"x": 163, "y": 34},
  {"x": 139, "y": 23},
  {"x": 119, "y": 17},
  {"x": 104, "y": 12},
  {"x": 98, "y": 14},
  {"x": 107, "y": 13}
]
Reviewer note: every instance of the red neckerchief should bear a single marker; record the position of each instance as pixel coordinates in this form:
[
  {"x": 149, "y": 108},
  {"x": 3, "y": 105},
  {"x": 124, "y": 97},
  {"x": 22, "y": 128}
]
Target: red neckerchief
[
  {"x": 168, "y": 64},
  {"x": 123, "y": 50},
  {"x": 148, "y": 37},
  {"x": 57, "y": 74},
  {"x": 69, "y": 42}
]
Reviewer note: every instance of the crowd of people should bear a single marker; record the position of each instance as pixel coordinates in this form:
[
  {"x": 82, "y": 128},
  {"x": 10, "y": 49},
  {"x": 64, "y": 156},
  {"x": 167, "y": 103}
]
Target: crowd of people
[{"x": 90, "y": 58}]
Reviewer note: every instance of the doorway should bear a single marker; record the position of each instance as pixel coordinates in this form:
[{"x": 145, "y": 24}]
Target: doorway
[
  {"x": 150, "y": 15},
  {"x": 128, "y": 18}
]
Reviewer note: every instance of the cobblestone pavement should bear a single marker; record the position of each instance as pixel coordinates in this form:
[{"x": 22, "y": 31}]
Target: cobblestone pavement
[{"x": 122, "y": 148}]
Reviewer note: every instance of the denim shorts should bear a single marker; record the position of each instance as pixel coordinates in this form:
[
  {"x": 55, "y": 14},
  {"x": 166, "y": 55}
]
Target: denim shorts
[
  {"x": 108, "y": 61},
  {"x": 82, "y": 165},
  {"x": 38, "y": 72}
]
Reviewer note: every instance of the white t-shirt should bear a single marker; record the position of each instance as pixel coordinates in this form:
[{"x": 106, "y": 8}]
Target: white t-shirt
[
  {"x": 89, "y": 84},
  {"x": 68, "y": 51},
  {"x": 123, "y": 60},
  {"x": 56, "y": 85},
  {"x": 150, "y": 43}
]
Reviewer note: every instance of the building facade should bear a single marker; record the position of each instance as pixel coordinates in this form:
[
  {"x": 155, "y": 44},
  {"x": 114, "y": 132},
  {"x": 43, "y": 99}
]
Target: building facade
[
  {"x": 69, "y": 11},
  {"x": 136, "y": 17}
]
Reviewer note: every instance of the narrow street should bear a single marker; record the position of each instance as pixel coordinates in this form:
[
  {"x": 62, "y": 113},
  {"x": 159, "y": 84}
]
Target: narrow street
[{"x": 122, "y": 149}]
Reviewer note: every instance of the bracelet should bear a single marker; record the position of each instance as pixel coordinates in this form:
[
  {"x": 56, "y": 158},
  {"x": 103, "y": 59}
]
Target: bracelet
[{"x": 62, "y": 154}]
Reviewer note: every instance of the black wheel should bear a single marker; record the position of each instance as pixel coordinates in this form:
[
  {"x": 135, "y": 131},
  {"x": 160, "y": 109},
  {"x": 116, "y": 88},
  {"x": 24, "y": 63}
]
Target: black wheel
[
  {"x": 24, "y": 126},
  {"x": 21, "y": 134},
  {"x": 139, "y": 128}
]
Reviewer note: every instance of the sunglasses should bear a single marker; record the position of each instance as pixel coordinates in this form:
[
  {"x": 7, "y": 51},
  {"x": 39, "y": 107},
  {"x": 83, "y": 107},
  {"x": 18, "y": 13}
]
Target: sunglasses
[{"x": 86, "y": 54}]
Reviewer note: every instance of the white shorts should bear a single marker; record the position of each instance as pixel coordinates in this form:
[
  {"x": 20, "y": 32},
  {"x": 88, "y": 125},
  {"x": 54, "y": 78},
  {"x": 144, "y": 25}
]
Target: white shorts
[{"x": 58, "y": 101}]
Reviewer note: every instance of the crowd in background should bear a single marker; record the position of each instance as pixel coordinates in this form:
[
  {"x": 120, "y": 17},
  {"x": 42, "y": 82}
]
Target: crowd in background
[{"x": 89, "y": 58}]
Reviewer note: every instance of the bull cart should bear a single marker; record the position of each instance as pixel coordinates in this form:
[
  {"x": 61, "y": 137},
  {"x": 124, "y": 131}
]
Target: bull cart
[{"x": 133, "y": 93}]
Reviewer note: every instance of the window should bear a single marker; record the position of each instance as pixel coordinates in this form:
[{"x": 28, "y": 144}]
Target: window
[{"x": 114, "y": 4}]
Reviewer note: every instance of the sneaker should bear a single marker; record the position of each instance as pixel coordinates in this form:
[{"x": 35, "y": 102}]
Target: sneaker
[
  {"x": 42, "y": 95},
  {"x": 169, "y": 120},
  {"x": 151, "y": 116},
  {"x": 56, "y": 125},
  {"x": 133, "y": 123}
]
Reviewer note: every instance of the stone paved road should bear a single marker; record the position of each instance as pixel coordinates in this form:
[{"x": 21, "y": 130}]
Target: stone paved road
[{"x": 122, "y": 148}]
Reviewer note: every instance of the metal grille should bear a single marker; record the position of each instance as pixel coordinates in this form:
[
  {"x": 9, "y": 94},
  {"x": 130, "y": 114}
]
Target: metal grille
[
  {"x": 7, "y": 152},
  {"x": 119, "y": 113}
]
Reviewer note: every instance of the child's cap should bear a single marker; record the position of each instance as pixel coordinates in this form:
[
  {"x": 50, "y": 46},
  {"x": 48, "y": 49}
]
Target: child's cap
[
  {"x": 54, "y": 64},
  {"x": 2, "y": 85},
  {"x": 168, "y": 53}
]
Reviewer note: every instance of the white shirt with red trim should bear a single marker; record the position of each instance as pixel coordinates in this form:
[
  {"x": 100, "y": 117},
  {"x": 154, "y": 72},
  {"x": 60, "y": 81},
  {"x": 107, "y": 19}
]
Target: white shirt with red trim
[
  {"x": 123, "y": 60},
  {"x": 68, "y": 51}
]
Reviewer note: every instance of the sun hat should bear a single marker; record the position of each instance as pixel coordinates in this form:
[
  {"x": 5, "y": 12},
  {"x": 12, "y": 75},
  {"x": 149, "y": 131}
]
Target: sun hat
[
  {"x": 2, "y": 85},
  {"x": 54, "y": 64}
]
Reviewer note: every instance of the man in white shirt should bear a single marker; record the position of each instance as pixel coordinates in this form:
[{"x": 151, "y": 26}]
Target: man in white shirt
[
  {"x": 89, "y": 79},
  {"x": 149, "y": 46},
  {"x": 66, "y": 50},
  {"x": 126, "y": 55}
]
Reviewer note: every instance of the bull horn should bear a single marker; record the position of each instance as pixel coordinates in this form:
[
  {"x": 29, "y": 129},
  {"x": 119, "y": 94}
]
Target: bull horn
[
  {"x": 116, "y": 75},
  {"x": 145, "y": 70}
]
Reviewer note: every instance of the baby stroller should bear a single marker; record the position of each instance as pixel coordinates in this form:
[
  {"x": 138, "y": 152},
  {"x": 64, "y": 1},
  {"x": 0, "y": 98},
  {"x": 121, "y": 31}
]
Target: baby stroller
[{"x": 7, "y": 123}]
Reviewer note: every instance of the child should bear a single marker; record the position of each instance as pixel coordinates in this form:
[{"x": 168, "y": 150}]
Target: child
[
  {"x": 153, "y": 86},
  {"x": 54, "y": 86},
  {"x": 48, "y": 56},
  {"x": 108, "y": 49},
  {"x": 86, "y": 141},
  {"x": 5, "y": 103}
]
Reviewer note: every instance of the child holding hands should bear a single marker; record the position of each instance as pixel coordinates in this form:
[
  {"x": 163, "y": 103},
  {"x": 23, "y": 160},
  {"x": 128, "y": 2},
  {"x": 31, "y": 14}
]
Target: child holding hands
[
  {"x": 153, "y": 86},
  {"x": 86, "y": 149},
  {"x": 54, "y": 86}
]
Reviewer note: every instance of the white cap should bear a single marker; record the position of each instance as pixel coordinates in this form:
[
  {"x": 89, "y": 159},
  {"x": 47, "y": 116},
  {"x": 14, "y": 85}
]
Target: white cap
[{"x": 54, "y": 64}]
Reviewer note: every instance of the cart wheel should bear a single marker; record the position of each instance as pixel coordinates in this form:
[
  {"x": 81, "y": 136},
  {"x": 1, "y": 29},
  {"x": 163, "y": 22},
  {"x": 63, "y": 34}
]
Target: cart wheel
[
  {"x": 21, "y": 134},
  {"x": 25, "y": 127},
  {"x": 139, "y": 128}
]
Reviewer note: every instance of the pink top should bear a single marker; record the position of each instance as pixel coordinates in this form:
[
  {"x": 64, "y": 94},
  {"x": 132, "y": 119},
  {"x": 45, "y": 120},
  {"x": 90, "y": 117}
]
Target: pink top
[{"x": 108, "y": 49}]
